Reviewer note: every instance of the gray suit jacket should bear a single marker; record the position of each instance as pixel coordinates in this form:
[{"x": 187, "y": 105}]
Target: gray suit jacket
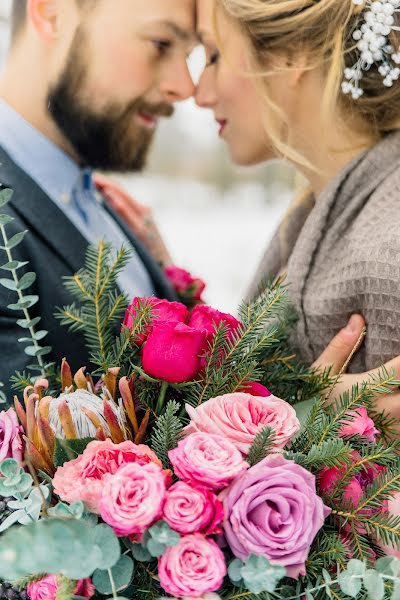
[{"x": 54, "y": 248}]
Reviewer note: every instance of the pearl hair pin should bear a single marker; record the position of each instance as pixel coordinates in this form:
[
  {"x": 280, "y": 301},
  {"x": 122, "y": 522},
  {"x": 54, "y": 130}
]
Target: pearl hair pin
[{"x": 373, "y": 44}]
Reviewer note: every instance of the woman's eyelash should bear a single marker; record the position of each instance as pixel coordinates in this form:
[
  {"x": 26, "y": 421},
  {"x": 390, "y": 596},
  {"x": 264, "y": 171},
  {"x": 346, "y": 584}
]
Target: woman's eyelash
[{"x": 213, "y": 59}]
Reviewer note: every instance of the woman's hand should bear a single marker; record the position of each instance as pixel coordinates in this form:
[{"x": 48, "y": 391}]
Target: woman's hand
[
  {"x": 138, "y": 217},
  {"x": 336, "y": 355}
]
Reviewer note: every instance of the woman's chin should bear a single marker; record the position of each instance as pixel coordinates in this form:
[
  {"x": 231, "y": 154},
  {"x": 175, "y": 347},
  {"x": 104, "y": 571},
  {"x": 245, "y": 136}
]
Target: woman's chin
[{"x": 251, "y": 157}]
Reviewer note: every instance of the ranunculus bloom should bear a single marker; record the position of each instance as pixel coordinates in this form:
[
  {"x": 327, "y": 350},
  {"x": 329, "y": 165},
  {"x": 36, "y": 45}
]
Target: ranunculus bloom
[
  {"x": 208, "y": 318},
  {"x": 10, "y": 436},
  {"x": 163, "y": 311},
  {"x": 47, "y": 588},
  {"x": 360, "y": 424},
  {"x": 208, "y": 459},
  {"x": 195, "y": 566},
  {"x": 255, "y": 389},
  {"x": 83, "y": 478},
  {"x": 172, "y": 352},
  {"x": 273, "y": 510},
  {"x": 238, "y": 417},
  {"x": 184, "y": 283},
  {"x": 132, "y": 498},
  {"x": 190, "y": 508}
]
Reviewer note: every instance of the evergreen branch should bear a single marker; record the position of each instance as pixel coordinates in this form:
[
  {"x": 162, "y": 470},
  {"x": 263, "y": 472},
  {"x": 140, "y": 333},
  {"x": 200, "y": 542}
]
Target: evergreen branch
[
  {"x": 381, "y": 489},
  {"x": 262, "y": 445},
  {"x": 331, "y": 453},
  {"x": 166, "y": 433}
]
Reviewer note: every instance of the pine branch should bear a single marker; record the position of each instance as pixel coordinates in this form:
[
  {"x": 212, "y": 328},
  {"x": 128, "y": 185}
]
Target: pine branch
[
  {"x": 331, "y": 453},
  {"x": 261, "y": 446},
  {"x": 166, "y": 433}
]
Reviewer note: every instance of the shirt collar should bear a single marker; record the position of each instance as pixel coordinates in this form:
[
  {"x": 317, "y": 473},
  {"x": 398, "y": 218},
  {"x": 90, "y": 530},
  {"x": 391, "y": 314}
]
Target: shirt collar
[{"x": 51, "y": 168}]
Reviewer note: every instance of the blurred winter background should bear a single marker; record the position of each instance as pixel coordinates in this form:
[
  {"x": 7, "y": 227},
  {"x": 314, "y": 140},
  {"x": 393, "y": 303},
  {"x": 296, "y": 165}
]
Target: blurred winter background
[{"x": 216, "y": 219}]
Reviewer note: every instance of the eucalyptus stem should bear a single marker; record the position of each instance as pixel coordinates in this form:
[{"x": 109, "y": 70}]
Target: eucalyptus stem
[
  {"x": 20, "y": 297},
  {"x": 114, "y": 589},
  {"x": 161, "y": 397}
]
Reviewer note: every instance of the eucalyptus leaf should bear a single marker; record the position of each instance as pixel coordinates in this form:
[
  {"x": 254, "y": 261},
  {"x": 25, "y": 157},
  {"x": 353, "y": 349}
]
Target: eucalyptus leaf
[
  {"x": 235, "y": 570},
  {"x": 9, "y": 284},
  {"x": 28, "y": 323},
  {"x": 140, "y": 553},
  {"x": 349, "y": 584},
  {"x": 5, "y": 196},
  {"x": 15, "y": 240},
  {"x": 121, "y": 573},
  {"x": 26, "y": 280},
  {"x": 14, "y": 265},
  {"x": 6, "y": 219},
  {"x": 396, "y": 591},
  {"x": 39, "y": 335},
  {"x": 374, "y": 584},
  {"x": 25, "y": 302},
  {"x": 107, "y": 541},
  {"x": 155, "y": 548}
]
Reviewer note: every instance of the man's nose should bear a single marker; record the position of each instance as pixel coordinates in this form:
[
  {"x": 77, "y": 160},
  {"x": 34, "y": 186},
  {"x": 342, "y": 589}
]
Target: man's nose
[{"x": 178, "y": 85}]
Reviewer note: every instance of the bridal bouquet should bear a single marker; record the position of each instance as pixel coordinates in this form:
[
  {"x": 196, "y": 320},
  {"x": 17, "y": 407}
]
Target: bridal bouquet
[{"x": 175, "y": 468}]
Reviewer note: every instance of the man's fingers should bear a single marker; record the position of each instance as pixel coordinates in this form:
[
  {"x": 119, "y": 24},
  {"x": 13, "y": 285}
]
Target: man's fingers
[
  {"x": 392, "y": 366},
  {"x": 336, "y": 354}
]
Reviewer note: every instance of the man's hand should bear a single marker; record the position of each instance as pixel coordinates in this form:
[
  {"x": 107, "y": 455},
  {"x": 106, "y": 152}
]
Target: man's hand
[
  {"x": 137, "y": 216},
  {"x": 336, "y": 355}
]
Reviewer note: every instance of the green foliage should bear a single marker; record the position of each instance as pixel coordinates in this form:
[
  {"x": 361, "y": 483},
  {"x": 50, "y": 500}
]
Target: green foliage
[
  {"x": 256, "y": 573},
  {"x": 26, "y": 510},
  {"x": 66, "y": 450},
  {"x": 19, "y": 284},
  {"x": 158, "y": 538},
  {"x": 116, "y": 578},
  {"x": 69, "y": 546},
  {"x": 100, "y": 306},
  {"x": 261, "y": 446},
  {"x": 166, "y": 433},
  {"x": 13, "y": 479}
]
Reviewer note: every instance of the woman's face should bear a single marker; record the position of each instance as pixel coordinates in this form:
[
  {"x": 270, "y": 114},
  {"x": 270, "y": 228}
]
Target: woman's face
[{"x": 225, "y": 88}]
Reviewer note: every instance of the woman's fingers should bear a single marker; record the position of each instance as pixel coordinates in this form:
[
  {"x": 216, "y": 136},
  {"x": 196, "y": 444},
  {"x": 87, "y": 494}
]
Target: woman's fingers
[{"x": 341, "y": 346}]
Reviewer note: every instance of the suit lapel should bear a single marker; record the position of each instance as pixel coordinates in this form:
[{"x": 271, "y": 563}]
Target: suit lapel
[{"x": 42, "y": 215}]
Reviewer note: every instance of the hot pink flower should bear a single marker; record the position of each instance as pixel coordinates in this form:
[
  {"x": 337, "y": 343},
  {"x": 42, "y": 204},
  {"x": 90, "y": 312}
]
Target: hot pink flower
[
  {"x": 163, "y": 311},
  {"x": 238, "y": 417},
  {"x": 360, "y": 424},
  {"x": 195, "y": 566},
  {"x": 172, "y": 352},
  {"x": 255, "y": 389},
  {"x": 208, "y": 318},
  {"x": 184, "y": 283},
  {"x": 83, "y": 478},
  {"x": 132, "y": 498},
  {"x": 10, "y": 436},
  {"x": 208, "y": 459},
  {"x": 47, "y": 588},
  {"x": 190, "y": 508}
]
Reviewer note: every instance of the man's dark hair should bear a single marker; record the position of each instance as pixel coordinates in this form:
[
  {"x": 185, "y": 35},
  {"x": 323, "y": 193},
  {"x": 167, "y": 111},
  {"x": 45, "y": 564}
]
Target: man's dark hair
[{"x": 18, "y": 17}]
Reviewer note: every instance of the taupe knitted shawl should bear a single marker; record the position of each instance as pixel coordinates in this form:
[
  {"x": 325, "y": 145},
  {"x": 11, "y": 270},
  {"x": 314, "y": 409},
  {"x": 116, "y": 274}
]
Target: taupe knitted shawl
[{"x": 343, "y": 256}]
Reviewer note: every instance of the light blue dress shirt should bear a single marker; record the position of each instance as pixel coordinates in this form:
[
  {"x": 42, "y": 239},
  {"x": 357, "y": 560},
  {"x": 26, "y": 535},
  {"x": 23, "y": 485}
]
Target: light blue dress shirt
[{"x": 71, "y": 189}]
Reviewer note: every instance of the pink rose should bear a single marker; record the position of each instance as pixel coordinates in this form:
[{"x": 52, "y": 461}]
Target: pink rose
[
  {"x": 190, "y": 508},
  {"x": 273, "y": 510},
  {"x": 83, "y": 478},
  {"x": 195, "y": 566},
  {"x": 183, "y": 282},
  {"x": 47, "y": 588},
  {"x": 208, "y": 318},
  {"x": 172, "y": 352},
  {"x": 360, "y": 424},
  {"x": 133, "y": 498},
  {"x": 238, "y": 417},
  {"x": 394, "y": 510},
  {"x": 255, "y": 389},
  {"x": 10, "y": 436},
  {"x": 208, "y": 459},
  {"x": 163, "y": 311}
]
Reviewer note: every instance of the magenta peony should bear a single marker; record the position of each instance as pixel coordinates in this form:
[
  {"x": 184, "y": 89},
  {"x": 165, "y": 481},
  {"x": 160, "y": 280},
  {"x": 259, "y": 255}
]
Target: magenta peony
[
  {"x": 172, "y": 352},
  {"x": 208, "y": 459},
  {"x": 184, "y": 283},
  {"x": 190, "y": 508},
  {"x": 47, "y": 588},
  {"x": 83, "y": 478},
  {"x": 194, "y": 567},
  {"x": 239, "y": 417},
  {"x": 132, "y": 498},
  {"x": 163, "y": 311},
  {"x": 273, "y": 510},
  {"x": 359, "y": 424},
  {"x": 10, "y": 436},
  {"x": 255, "y": 389}
]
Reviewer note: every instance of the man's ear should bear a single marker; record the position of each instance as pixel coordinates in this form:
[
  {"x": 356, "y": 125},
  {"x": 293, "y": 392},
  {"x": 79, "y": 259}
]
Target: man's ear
[{"x": 44, "y": 16}]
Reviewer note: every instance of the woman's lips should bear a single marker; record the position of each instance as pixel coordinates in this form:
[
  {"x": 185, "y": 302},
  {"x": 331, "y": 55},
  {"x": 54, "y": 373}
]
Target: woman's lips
[{"x": 222, "y": 125}]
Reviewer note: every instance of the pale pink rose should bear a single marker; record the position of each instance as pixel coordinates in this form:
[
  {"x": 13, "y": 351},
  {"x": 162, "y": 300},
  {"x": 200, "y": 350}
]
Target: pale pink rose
[
  {"x": 47, "y": 588},
  {"x": 10, "y": 436},
  {"x": 208, "y": 459},
  {"x": 133, "y": 498},
  {"x": 239, "y": 417},
  {"x": 83, "y": 478},
  {"x": 194, "y": 567},
  {"x": 190, "y": 508},
  {"x": 360, "y": 424}
]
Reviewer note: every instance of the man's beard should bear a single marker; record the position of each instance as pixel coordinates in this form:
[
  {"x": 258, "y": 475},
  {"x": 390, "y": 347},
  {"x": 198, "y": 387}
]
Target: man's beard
[{"x": 111, "y": 140}]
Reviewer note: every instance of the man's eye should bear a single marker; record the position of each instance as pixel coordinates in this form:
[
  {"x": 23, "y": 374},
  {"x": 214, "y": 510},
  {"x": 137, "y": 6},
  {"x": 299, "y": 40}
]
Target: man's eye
[
  {"x": 162, "y": 45},
  {"x": 213, "y": 59}
]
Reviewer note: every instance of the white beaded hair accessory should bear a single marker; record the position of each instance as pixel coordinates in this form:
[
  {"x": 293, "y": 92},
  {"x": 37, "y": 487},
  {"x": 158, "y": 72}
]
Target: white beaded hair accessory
[{"x": 373, "y": 44}]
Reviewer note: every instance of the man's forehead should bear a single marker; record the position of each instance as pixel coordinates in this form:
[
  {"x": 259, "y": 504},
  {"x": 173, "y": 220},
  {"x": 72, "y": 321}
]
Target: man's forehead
[{"x": 178, "y": 15}]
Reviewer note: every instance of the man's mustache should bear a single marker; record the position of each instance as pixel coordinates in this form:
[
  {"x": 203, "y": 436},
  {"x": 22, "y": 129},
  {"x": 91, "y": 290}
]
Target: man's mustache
[{"x": 157, "y": 110}]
